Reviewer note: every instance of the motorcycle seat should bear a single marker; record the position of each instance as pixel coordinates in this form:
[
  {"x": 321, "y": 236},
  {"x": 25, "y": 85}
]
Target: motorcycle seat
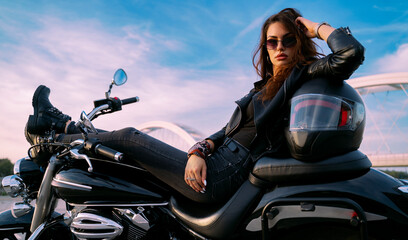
[
  {"x": 269, "y": 171},
  {"x": 217, "y": 221}
]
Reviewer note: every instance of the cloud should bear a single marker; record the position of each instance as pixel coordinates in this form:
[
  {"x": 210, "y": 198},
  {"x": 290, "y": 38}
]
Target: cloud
[
  {"x": 255, "y": 24},
  {"x": 77, "y": 61},
  {"x": 390, "y": 28},
  {"x": 395, "y": 62}
]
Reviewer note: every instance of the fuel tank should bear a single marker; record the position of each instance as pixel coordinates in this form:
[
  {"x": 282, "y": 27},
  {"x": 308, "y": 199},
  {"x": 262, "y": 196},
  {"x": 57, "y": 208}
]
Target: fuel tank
[{"x": 110, "y": 182}]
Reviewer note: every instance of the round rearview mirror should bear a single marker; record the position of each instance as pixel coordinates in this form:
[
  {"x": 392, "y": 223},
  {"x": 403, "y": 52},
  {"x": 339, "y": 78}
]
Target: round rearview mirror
[
  {"x": 13, "y": 185},
  {"x": 120, "y": 77}
]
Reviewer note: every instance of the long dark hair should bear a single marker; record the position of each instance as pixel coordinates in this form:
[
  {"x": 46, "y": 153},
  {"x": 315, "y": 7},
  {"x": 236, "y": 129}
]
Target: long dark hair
[{"x": 305, "y": 52}]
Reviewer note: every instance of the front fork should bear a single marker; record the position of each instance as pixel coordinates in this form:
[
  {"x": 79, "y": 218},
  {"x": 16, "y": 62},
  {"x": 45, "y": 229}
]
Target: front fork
[{"x": 46, "y": 199}]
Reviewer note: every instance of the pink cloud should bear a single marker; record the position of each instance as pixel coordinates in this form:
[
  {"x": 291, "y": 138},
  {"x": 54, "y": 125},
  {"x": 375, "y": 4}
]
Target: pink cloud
[
  {"x": 77, "y": 61},
  {"x": 395, "y": 62}
]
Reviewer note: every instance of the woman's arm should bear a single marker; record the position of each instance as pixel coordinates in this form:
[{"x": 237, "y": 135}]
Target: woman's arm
[
  {"x": 347, "y": 56},
  {"x": 195, "y": 173}
]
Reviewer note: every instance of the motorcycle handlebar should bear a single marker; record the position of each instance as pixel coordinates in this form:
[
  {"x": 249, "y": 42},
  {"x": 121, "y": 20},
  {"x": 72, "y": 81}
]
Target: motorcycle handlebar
[
  {"x": 130, "y": 100},
  {"x": 108, "y": 152}
]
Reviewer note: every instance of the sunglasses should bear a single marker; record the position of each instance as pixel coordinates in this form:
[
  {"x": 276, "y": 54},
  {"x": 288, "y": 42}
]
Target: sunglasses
[{"x": 287, "y": 42}]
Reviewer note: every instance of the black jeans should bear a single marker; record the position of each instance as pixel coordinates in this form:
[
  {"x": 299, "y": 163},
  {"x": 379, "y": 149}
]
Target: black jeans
[{"x": 227, "y": 168}]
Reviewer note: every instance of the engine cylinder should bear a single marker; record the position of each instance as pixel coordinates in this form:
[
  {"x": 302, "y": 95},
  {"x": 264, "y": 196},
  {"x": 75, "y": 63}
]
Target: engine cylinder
[{"x": 92, "y": 226}]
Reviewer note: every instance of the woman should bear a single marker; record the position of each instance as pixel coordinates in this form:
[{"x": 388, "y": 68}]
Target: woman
[{"x": 213, "y": 169}]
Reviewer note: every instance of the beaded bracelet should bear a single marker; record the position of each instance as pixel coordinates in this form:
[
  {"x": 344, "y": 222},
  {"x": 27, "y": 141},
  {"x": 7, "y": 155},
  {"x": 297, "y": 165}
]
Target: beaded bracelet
[
  {"x": 317, "y": 29},
  {"x": 201, "y": 149}
]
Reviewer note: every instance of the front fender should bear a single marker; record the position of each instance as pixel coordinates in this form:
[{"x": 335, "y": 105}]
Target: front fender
[{"x": 11, "y": 224}]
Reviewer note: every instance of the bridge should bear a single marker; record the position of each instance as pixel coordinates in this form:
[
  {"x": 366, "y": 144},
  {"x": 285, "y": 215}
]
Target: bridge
[
  {"x": 176, "y": 135},
  {"x": 385, "y": 140},
  {"x": 386, "y": 134}
]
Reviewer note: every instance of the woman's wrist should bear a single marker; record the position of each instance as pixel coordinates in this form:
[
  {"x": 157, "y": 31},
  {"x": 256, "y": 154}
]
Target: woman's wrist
[
  {"x": 323, "y": 30},
  {"x": 317, "y": 27},
  {"x": 212, "y": 144},
  {"x": 201, "y": 149}
]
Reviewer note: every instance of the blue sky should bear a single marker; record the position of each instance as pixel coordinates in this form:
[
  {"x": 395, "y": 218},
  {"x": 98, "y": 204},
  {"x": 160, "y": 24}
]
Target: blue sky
[{"x": 187, "y": 60}]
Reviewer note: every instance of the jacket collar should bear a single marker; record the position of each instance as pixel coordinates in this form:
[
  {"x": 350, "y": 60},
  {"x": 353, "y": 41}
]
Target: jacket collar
[
  {"x": 258, "y": 85},
  {"x": 268, "y": 109}
]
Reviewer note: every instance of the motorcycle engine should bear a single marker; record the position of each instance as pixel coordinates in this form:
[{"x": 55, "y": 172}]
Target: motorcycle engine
[{"x": 117, "y": 224}]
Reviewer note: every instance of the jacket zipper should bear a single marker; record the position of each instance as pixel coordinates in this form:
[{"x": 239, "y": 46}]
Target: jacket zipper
[
  {"x": 284, "y": 93},
  {"x": 283, "y": 103}
]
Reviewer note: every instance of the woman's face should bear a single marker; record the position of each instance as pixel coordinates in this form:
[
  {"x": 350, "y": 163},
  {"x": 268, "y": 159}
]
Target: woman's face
[{"x": 280, "y": 53}]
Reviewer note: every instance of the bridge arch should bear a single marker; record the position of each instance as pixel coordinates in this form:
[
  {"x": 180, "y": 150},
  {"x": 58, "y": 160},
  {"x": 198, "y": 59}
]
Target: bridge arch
[
  {"x": 179, "y": 136},
  {"x": 378, "y": 142}
]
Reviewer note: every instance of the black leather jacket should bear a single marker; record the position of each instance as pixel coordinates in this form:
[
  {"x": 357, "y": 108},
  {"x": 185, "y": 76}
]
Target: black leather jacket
[{"x": 270, "y": 116}]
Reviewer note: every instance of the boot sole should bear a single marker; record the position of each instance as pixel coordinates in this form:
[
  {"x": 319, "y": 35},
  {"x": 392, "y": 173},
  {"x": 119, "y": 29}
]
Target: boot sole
[
  {"x": 33, "y": 152},
  {"x": 32, "y": 120},
  {"x": 35, "y": 97},
  {"x": 26, "y": 133}
]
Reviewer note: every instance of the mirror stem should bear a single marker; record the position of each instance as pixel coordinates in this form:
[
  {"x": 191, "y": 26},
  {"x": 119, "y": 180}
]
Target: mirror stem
[{"x": 107, "y": 94}]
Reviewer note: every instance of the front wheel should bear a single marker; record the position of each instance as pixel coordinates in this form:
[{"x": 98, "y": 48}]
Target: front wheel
[
  {"x": 15, "y": 228},
  {"x": 13, "y": 236},
  {"x": 55, "y": 231}
]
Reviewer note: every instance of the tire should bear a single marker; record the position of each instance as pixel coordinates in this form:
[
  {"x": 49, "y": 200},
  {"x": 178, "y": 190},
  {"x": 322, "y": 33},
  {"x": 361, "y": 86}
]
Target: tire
[{"x": 13, "y": 236}]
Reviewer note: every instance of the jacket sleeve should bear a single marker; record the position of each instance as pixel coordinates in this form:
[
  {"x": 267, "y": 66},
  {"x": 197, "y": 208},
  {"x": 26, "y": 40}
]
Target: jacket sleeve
[
  {"x": 347, "y": 55},
  {"x": 218, "y": 137}
]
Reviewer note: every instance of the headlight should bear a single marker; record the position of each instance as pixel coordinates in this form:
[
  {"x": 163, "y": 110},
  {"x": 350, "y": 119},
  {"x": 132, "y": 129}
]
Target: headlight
[
  {"x": 13, "y": 185},
  {"x": 403, "y": 189},
  {"x": 16, "y": 168}
]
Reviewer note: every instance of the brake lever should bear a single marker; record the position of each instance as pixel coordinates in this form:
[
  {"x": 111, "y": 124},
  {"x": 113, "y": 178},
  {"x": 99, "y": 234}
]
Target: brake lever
[{"x": 76, "y": 155}]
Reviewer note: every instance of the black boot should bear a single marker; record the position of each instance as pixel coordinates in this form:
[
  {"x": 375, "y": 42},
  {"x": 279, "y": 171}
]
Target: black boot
[
  {"x": 46, "y": 117},
  {"x": 41, "y": 153}
]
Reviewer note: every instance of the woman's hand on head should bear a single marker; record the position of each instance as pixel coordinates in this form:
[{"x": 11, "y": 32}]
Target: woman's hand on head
[
  {"x": 307, "y": 26},
  {"x": 195, "y": 173}
]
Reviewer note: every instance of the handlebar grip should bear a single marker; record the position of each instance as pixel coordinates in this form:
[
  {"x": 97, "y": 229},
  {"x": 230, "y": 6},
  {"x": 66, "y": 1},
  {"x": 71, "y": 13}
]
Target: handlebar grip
[
  {"x": 130, "y": 100},
  {"x": 108, "y": 152}
]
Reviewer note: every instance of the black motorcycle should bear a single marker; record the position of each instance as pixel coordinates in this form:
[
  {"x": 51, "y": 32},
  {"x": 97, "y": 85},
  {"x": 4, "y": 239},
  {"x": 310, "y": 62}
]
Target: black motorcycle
[{"x": 338, "y": 197}]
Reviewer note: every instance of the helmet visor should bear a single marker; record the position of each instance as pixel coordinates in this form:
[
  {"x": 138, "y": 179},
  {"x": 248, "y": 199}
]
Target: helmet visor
[{"x": 324, "y": 113}]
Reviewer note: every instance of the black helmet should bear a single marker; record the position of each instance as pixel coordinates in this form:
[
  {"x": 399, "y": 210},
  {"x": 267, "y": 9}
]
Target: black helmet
[{"x": 326, "y": 118}]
